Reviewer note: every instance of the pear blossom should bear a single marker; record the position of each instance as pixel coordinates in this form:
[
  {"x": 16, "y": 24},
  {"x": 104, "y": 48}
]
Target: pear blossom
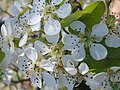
[
  {"x": 107, "y": 80},
  {"x": 115, "y": 77},
  {"x": 55, "y": 64},
  {"x": 103, "y": 80},
  {"x": 35, "y": 67},
  {"x": 45, "y": 11},
  {"x": 84, "y": 71},
  {"x": 113, "y": 38},
  {"x": 77, "y": 44},
  {"x": 64, "y": 71},
  {"x": 6, "y": 37},
  {"x": 22, "y": 29}
]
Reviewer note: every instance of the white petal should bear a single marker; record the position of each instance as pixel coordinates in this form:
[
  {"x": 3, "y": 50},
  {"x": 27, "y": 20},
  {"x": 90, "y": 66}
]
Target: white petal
[
  {"x": 23, "y": 40},
  {"x": 37, "y": 2},
  {"x": 14, "y": 10},
  {"x": 12, "y": 48},
  {"x": 4, "y": 30},
  {"x": 52, "y": 26},
  {"x": 24, "y": 63},
  {"x": 66, "y": 58},
  {"x": 68, "y": 47},
  {"x": 49, "y": 79},
  {"x": 99, "y": 30},
  {"x": 36, "y": 27},
  {"x": 47, "y": 65},
  {"x": 83, "y": 68},
  {"x": 102, "y": 79},
  {"x": 70, "y": 68},
  {"x": 31, "y": 53},
  {"x": 52, "y": 38},
  {"x": 115, "y": 68},
  {"x": 56, "y": 2},
  {"x": 79, "y": 54},
  {"x": 6, "y": 61},
  {"x": 92, "y": 84},
  {"x": 6, "y": 79},
  {"x": 66, "y": 81},
  {"x": 34, "y": 19},
  {"x": 98, "y": 51},
  {"x": 8, "y": 28},
  {"x": 70, "y": 39},
  {"x": 25, "y": 2},
  {"x": 112, "y": 41},
  {"x": 78, "y": 26},
  {"x": 18, "y": 5},
  {"x": 100, "y": 76},
  {"x": 115, "y": 77},
  {"x": 36, "y": 79},
  {"x": 18, "y": 30},
  {"x": 62, "y": 81},
  {"x": 41, "y": 47},
  {"x": 64, "y": 10}
]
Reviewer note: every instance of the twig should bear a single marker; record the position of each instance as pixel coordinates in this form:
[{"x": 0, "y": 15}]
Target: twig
[
  {"x": 20, "y": 81},
  {"x": 5, "y": 12}
]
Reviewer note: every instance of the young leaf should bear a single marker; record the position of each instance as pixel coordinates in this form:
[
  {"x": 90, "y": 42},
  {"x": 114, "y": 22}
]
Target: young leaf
[
  {"x": 92, "y": 14},
  {"x": 69, "y": 19}
]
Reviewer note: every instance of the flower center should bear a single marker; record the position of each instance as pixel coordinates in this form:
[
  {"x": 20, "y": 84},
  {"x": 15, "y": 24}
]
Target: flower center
[
  {"x": 49, "y": 10},
  {"x": 55, "y": 50},
  {"x": 87, "y": 39}
]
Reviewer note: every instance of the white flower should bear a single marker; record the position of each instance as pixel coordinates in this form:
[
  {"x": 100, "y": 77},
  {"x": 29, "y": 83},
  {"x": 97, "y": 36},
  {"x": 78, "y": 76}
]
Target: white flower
[
  {"x": 35, "y": 67},
  {"x": 45, "y": 11},
  {"x": 113, "y": 38},
  {"x": 77, "y": 44},
  {"x": 6, "y": 37},
  {"x": 22, "y": 29},
  {"x": 84, "y": 70},
  {"x": 115, "y": 77},
  {"x": 103, "y": 80}
]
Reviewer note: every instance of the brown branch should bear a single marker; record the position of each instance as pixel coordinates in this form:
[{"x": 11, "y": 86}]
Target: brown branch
[
  {"x": 5, "y": 12},
  {"x": 20, "y": 81}
]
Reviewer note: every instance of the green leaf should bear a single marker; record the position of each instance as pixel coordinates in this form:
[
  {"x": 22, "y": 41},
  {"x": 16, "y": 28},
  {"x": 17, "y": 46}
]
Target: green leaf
[
  {"x": 92, "y": 14},
  {"x": 2, "y": 54},
  {"x": 113, "y": 59},
  {"x": 69, "y": 19}
]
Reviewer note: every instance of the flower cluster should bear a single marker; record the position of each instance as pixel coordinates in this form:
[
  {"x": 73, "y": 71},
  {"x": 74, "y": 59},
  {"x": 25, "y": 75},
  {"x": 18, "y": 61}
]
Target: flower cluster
[{"x": 50, "y": 55}]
